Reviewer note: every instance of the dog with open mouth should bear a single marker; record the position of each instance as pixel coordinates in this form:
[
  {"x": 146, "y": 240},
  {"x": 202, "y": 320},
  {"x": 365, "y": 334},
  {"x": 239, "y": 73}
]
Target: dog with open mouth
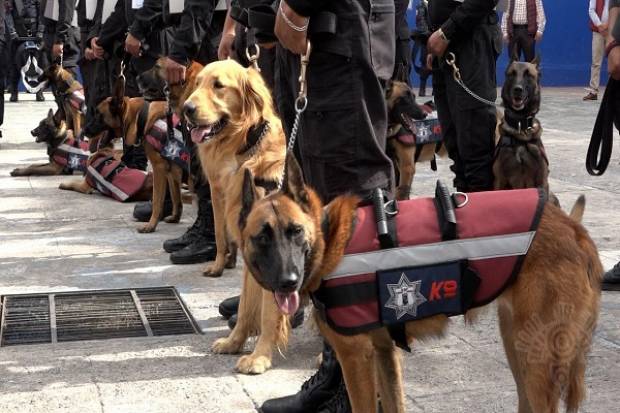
[
  {"x": 520, "y": 160},
  {"x": 295, "y": 247},
  {"x": 234, "y": 123},
  {"x": 404, "y": 147}
]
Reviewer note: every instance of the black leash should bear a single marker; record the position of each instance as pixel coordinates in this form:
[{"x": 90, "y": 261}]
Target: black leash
[{"x": 602, "y": 140}]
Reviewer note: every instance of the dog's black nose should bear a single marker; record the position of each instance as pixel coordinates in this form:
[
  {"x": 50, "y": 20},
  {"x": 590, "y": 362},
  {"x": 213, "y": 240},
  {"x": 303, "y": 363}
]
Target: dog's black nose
[
  {"x": 33, "y": 132},
  {"x": 288, "y": 282},
  {"x": 517, "y": 90},
  {"x": 189, "y": 108}
]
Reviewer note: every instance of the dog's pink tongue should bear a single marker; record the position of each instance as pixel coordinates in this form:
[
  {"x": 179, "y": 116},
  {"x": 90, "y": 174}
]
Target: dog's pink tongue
[
  {"x": 198, "y": 134},
  {"x": 288, "y": 303}
]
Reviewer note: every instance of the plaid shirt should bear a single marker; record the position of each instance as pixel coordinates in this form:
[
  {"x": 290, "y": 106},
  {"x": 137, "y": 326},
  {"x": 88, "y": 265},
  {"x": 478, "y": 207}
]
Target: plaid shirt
[{"x": 520, "y": 16}]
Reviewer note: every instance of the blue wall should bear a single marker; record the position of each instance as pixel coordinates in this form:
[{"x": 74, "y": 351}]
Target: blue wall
[{"x": 566, "y": 48}]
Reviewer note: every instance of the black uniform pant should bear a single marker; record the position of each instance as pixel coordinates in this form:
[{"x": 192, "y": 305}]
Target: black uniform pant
[
  {"x": 402, "y": 66},
  {"x": 522, "y": 44},
  {"x": 342, "y": 137},
  {"x": 3, "y": 73},
  {"x": 468, "y": 126}
]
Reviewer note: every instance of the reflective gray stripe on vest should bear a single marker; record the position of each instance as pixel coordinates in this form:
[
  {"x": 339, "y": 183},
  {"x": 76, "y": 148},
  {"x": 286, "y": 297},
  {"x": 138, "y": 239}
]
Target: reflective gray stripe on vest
[
  {"x": 102, "y": 183},
  {"x": 69, "y": 148},
  {"x": 418, "y": 255}
]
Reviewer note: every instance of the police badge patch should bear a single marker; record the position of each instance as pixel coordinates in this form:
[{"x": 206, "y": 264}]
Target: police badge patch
[{"x": 407, "y": 294}]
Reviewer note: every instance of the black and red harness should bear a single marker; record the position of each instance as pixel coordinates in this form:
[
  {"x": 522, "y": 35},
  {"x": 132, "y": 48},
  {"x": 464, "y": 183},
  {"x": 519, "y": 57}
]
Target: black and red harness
[{"x": 415, "y": 259}]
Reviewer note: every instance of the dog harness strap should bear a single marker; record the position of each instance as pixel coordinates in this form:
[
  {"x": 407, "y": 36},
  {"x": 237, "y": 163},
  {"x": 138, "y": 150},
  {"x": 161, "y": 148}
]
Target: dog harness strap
[
  {"x": 142, "y": 119},
  {"x": 254, "y": 136},
  {"x": 445, "y": 212}
]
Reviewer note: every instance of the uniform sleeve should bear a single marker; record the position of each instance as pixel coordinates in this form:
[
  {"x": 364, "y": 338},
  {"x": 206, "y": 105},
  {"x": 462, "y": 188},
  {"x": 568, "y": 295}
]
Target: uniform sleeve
[
  {"x": 505, "y": 24},
  {"x": 467, "y": 15},
  {"x": 114, "y": 27},
  {"x": 541, "y": 18},
  {"x": 65, "y": 17},
  {"x": 191, "y": 30},
  {"x": 145, "y": 18},
  {"x": 96, "y": 23},
  {"x": 307, "y": 7}
]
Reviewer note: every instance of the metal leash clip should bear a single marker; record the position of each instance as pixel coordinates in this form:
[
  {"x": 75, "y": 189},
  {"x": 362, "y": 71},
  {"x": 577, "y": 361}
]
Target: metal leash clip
[{"x": 253, "y": 58}]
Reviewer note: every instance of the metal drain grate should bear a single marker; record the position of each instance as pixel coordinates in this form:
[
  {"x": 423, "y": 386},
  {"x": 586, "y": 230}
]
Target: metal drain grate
[{"x": 93, "y": 315}]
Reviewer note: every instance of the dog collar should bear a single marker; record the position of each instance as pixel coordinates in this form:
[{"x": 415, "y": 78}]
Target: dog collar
[
  {"x": 520, "y": 123},
  {"x": 253, "y": 138}
]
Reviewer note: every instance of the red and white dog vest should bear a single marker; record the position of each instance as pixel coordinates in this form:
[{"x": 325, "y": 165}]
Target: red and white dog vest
[
  {"x": 424, "y": 276},
  {"x": 113, "y": 178}
]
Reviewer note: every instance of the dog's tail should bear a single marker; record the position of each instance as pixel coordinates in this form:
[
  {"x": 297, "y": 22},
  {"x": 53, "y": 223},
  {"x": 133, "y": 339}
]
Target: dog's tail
[{"x": 576, "y": 212}]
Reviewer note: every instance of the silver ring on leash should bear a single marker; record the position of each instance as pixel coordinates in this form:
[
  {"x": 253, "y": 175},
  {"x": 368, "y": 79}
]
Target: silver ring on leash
[{"x": 460, "y": 204}]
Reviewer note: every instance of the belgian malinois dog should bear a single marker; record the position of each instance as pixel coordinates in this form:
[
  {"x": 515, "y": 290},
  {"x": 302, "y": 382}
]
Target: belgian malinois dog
[
  {"x": 520, "y": 159},
  {"x": 69, "y": 95},
  {"x": 53, "y": 131},
  {"x": 290, "y": 241},
  {"x": 402, "y": 111}
]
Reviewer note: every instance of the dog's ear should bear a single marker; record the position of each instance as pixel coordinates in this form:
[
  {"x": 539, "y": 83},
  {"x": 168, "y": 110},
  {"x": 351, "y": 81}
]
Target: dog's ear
[
  {"x": 536, "y": 61},
  {"x": 293, "y": 185},
  {"x": 248, "y": 196},
  {"x": 50, "y": 114},
  {"x": 514, "y": 56},
  {"x": 58, "y": 117},
  {"x": 254, "y": 93}
]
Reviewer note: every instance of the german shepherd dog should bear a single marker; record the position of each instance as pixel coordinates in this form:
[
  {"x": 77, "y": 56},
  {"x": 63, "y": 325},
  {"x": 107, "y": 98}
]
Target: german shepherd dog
[
  {"x": 402, "y": 111},
  {"x": 290, "y": 241},
  {"x": 520, "y": 159},
  {"x": 52, "y": 131},
  {"x": 237, "y": 129},
  {"x": 120, "y": 113},
  {"x": 69, "y": 95}
]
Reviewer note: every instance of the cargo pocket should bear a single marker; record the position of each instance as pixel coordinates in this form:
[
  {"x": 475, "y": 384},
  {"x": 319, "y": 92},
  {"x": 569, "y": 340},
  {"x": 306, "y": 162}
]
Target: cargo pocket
[{"x": 382, "y": 33}]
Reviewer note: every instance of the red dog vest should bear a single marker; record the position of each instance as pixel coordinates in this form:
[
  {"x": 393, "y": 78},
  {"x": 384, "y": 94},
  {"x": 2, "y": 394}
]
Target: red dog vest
[
  {"x": 72, "y": 154},
  {"x": 172, "y": 149},
  {"x": 113, "y": 178},
  {"x": 494, "y": 232}
]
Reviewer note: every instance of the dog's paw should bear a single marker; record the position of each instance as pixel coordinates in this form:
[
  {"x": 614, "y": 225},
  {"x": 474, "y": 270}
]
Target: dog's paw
[
  {"x": 251, "y": 364},
  {"x": 63, "y": 186},
  {"x": 172, "y": 219},
  {"x": 17, "y": 172},
  {"x": 225, "y": 346},
  {"x": 213, "y": 271},
  {"x": 146, "y": 229}
]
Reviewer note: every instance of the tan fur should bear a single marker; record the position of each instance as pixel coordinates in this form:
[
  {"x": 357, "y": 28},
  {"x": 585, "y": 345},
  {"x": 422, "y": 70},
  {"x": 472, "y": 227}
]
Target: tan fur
[
  {"x": 61, "y": 77},
  {"x": 547, "y": 316},
  {"x": 246, "y": 102},
  {"x": 403, "y": 155}
]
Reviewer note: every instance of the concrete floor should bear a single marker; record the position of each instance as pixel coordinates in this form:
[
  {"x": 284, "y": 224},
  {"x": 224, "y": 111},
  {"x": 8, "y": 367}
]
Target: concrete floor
[{"x": 53, "y": 240}]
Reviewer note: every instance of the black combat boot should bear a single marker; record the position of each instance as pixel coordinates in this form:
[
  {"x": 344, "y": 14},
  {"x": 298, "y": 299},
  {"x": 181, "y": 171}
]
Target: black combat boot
[
  {"x": 229, "y": 307},
  {"x": 143, "y": 210},
  {"x": 202, "y": 247},
  {"x": 296, "y": 321},
  {"x": 339, "y": 403},
  {"x": 192, "y": 233},
  {"x": 316, "y": 391},
  {"x": 40, "y": 97},
  {"x": 611, "y": 279},
  {"x": 14, "y": 95}
]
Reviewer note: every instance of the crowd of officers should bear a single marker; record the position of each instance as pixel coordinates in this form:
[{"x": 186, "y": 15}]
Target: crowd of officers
[{"x": 358, "y": 46}]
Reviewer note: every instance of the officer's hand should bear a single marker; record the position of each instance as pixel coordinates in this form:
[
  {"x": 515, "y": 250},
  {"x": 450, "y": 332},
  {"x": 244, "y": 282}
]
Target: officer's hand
[
  {"x": 226, "y": 46},
  {"x": 97, "y": 50},
  {"x": 175, "y": 72},
  {"x": 538, "y": 36},
  {"x": 437, "y": 45},
  {"x": 132, "y": 45},
  {"x": 613, "y": 63},
  {"x": 57, "y": 49},
  {"x": 291, "y": 39},
  {"x": 89, "y": 54}
]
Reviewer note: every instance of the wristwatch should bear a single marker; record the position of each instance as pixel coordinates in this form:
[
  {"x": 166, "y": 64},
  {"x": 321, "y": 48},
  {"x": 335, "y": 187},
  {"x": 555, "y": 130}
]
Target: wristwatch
[{"x": 611, "y": 45}]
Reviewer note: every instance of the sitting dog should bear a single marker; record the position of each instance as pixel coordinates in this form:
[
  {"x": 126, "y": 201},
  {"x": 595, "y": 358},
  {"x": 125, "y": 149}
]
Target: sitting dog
[
  {"x": 135, "y": 119},
  {"x": 69, "y": 94},
  {"x": 548, "y": 299},
  {"x": 236, "y": 129},
  {"x": 66, "y": 154},
  {"x": 405, "y": 144},
  {"x": 520, "y": 159},
  {"x": 108, "y": 174}
]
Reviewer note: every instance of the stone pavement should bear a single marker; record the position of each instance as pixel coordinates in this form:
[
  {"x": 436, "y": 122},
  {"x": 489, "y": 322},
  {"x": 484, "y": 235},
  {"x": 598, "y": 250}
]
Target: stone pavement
[{"x": 52, "y": 240}]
